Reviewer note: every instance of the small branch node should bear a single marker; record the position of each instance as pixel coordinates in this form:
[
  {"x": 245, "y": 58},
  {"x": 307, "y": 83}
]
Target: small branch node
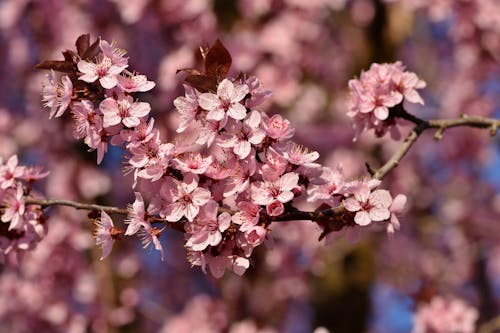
[
  {"x": 369, "y": 169},
  {"x": 493, "y": 129},
  {"x": 439, "y": 134}
]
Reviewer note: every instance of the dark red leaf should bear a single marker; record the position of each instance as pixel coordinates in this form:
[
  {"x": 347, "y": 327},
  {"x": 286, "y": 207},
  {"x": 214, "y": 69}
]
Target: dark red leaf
[
  {"x": 93, "y": 50},
  {"x": 217, "y": 60},
  {"x": 82, "y": 44},
  {"x": 57, "y": 65},
  {"x": 203, "y": 83},
  {"x": 190, "y": 71},
  {"x": 70, "y": 56}
]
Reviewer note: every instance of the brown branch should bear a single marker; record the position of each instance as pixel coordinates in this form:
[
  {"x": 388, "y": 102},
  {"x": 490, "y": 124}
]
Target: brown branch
[
  {"x": 331, "y": 219},
  {"x": 74, "y": 204},
  {"x": 440, "y": 124}
]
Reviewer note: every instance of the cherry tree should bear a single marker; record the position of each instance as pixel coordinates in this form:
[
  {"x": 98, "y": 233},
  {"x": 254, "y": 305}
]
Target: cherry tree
[{"x": 311, "y": 187}]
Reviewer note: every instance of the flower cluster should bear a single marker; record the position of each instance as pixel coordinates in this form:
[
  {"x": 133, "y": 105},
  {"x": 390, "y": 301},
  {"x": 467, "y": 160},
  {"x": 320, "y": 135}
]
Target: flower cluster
[
  {"x": 381, "y": 88},
  {"x": 445, "y": 316},
  {"x": 22, "y": 225},
  {"x": 239, "y": 172}
]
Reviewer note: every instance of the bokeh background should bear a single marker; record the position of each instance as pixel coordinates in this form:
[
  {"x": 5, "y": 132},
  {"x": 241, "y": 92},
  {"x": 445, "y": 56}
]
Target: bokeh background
[{"x": 304, "y": 52}]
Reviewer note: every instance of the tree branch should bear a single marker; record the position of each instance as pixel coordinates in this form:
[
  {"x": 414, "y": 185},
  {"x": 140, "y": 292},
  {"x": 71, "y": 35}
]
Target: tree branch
[{"x": 331, "y": 219}]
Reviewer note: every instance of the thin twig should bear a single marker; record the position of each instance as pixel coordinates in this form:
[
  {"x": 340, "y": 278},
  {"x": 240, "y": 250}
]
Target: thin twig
[{"x": 74, "y": 204}]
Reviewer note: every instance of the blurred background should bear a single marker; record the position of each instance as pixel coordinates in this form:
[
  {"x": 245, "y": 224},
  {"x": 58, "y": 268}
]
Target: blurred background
[{"x": 304, "y": 52}]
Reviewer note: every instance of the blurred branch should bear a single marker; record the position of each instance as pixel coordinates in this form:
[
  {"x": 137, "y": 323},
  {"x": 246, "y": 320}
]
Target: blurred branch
[
  {"x": 440, "y": 124},
  {"x": 74, "y": 204},
  {"x": 490, "y": 326}
]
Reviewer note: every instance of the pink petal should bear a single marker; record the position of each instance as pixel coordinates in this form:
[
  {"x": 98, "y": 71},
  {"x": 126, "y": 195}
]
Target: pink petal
[
  {"x": 208, "y": 101},
  {"x": 174, "y": 212},
  {"x": 351, "y": 204},
  {"x": 236, "y": 111},
  {"x": 362, "y": 218},
  {"x": 398, "y": 203},
  {"x": 379, "y": 214},
  {"x": 380, "y": 198},
  {"x": 225, "y": 90},
  {"x": 140, "y": 109},
  {"x": 215, "y": 114}
]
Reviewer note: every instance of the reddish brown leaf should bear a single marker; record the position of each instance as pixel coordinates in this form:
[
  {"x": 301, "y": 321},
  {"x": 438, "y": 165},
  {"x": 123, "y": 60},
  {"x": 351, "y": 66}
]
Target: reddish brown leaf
[
  {"x": 57, "y": 65},
  {"x": 217, "y": 60},
  {"x": 82, "y": 44},
  {"x": 92, "y": 50},
  {"x": 70, "y": 56},
  {"x": 189, "y": 71},
  {"x": 203, "y": 83}
]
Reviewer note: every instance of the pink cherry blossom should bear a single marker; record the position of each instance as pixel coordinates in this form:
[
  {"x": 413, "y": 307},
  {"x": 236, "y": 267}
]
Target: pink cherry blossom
[
  {"x": 273, "y": 191},
  {"x": 187, "y": 107},
  {"x": 329, "y": 184},
  {"x": 277, "y": 127},
  {"x": 114, "y": 53},
  {"x": 185, "y": 197},
  {"x": 247, "y": 216},
  {"x": 123, "y": 110},
  {"x": 227, "y": 100},
  {"x": 369, "y": 206},
  {"x": 14, "y": 208},
  {"x": 193, "y": 162},
  {"x": 150, "y": 235},
  {"x": 445, "y": 316},
  {"x": 397, "y": 207},
  {"x": 135, "y": 83},
  {"x": 57, "y": 95},
  {"x": 105, "y": 234},
  {"x": 207, "y": 227},
  {"x": 255, "y": 235},
  {"x": 258, "y": 94},
  {"x": 242, "y": 135},
  {"x": 298, "y": 154},
  {"x": 137, "y": 216},
  {"x": 104, "y": 71},
  {"x": 10, "y": 171}
]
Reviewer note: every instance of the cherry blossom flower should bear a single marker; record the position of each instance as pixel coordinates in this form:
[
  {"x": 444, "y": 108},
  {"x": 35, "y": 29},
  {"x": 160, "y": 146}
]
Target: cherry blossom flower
[
  {"x": 135, "y": 83},
  {"x": 114, "y": 53},
  {"x": 380, "y": 88},
  {"x": 185, "y": 197},
  {"x": 257, "y": 92},
  {"x": 137, "y": 216},
  {"x": 298, "y": 154},
  {"x": 445, "y": 316},
  {"x": 242, "y": 135},
  {"x": 255, "y": 235},
  {"x": 150, "y": 235},
  {"x": 227, "y": 101},
  {"x": 329, "y": 184},
  {"x": 14, "y": 208},
  {"x": 123, "y": 110},
  {"x": 187, "y": 107},
  {"x": 272, "y": 192},
  {"x": 247, "y": 215},
  {"x": 105, "y": 233},
  {"x": 207, "y": 227},
  {"x": 369, "y": 206},
  {"x": 193, "y": 162},
  {"x": 277, "y": 127},
  {"x": 104, "y": 71},
  {"x": 57, "y": 95},
  {"x": 397, "y": 207},
  {"x": 10, "y": 171},
  {"x": 210, "y": 131}
]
